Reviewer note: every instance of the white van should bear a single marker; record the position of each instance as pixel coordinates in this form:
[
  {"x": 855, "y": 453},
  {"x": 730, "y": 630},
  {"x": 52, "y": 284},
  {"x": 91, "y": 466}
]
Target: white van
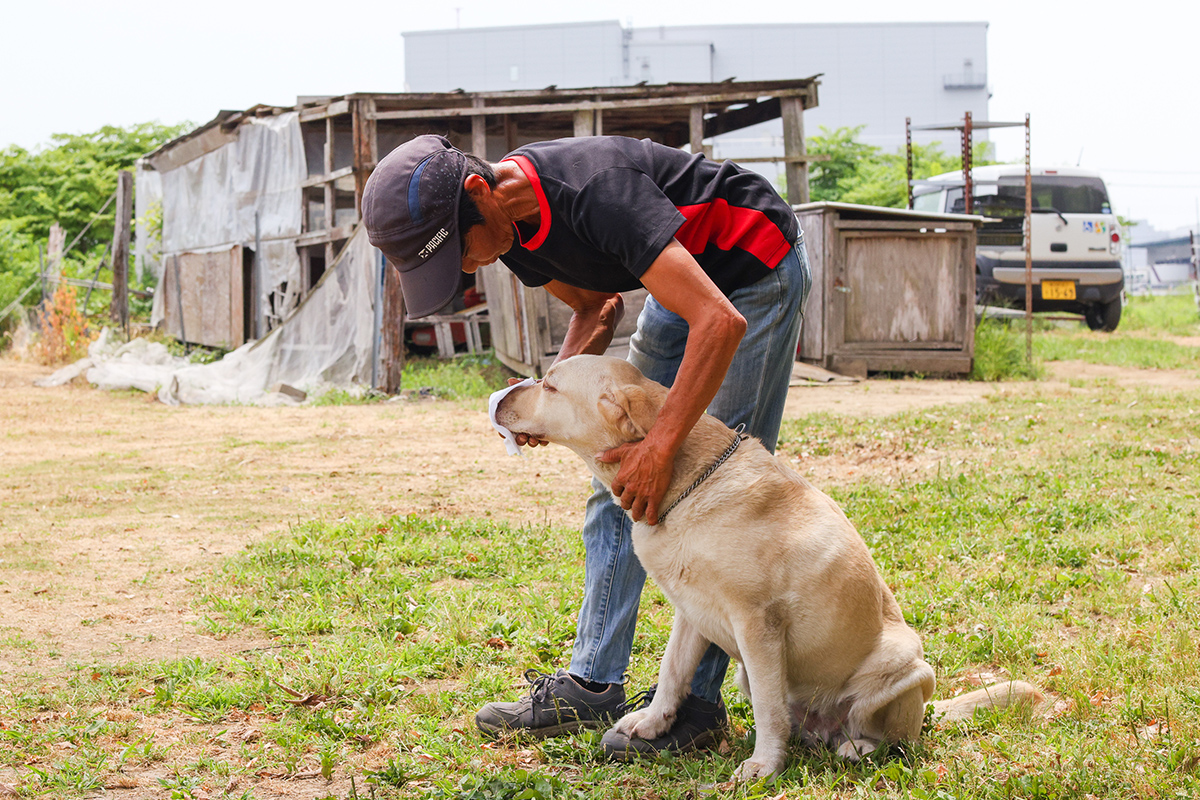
[{"x": 1076, "y": 239}]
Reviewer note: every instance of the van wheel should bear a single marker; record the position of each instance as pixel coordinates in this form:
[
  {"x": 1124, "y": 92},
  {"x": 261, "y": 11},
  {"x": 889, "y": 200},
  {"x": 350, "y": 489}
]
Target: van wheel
[{"x": 1104, "y": 316}]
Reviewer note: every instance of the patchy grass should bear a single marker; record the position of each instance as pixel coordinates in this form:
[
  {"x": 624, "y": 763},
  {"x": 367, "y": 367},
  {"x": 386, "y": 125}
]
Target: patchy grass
[
  {"x": 1058, "y": 542},
  {"x": 1116, "y": 349},
  {"x": 1143, "y": 340},
  {"x": 1174, "y": 314},
  {"x": 458, "y": 378}
]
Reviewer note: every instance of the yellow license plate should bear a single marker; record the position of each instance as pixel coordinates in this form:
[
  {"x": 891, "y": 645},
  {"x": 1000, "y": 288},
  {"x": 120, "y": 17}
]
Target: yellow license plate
[{"x": 1058, "y": 290}]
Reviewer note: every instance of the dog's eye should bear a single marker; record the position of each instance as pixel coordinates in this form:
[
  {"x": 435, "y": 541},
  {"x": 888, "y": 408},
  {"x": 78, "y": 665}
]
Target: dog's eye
[{"x": 548, "y": 387}]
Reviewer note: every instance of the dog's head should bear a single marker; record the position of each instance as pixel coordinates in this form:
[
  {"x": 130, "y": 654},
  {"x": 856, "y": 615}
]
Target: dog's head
[{"x": 587, "y": 403}]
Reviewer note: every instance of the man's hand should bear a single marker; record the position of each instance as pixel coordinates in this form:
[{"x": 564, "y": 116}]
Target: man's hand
[
  {"x": 643, "y": 478},
  {"x": 524, "y": 438}
]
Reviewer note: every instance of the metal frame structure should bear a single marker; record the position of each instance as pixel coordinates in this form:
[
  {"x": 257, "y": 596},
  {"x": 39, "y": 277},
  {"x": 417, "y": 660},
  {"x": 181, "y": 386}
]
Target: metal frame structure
[{"x": 966, "y": 129}]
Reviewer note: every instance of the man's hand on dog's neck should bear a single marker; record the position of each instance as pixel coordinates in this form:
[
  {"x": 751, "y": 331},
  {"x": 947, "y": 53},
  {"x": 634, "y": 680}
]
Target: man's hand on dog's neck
[{"x": 646, "y": 470}]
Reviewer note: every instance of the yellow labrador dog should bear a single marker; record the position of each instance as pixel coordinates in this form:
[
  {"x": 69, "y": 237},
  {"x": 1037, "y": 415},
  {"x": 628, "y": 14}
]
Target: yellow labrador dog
[{"x": 758, "y": 561}]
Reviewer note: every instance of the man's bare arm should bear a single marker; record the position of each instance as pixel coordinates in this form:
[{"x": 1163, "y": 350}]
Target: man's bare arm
[
  {"x": 715, "y": 329},
  {"x": 594, "y": 319}
]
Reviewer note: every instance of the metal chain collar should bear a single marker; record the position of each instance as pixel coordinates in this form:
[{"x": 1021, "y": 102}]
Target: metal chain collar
[{"x": 724, "y": 456}]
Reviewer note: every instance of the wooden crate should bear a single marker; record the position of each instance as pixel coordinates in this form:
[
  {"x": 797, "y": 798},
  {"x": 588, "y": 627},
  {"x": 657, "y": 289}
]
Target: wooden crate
[{"x": 893, "y": 290}]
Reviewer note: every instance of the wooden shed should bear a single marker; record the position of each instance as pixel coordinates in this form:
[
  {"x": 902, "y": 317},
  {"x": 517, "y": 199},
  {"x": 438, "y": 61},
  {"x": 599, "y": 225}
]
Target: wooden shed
[
  {"x": 259, "y": 206},
  {"x": 893, "y": 290}
]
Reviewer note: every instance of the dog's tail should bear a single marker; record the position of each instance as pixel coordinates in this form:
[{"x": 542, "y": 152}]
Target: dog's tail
[{"x": 998, "y": 695}]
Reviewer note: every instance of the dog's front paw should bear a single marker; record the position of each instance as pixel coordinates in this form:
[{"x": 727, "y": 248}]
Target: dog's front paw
[
  {"x": 644, "y": 724},
  {"x": 627, "y": 723},
  {"x": 855, "y": 749},
  {"x": 753, "y": 769}
]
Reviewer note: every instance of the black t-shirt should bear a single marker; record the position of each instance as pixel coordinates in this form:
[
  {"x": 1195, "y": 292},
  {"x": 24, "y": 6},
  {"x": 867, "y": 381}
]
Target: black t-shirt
[{"x": 610, "y": 204}]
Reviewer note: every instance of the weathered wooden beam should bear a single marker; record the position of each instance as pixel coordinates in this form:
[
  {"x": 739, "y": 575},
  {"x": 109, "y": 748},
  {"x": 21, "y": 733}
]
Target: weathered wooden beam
[
  {"x": 329, "y": 194},
  {"x": 317, "y": 180},
  {"x": 696, "y": 128},
  {"x": 321, "y": 237},
  {"x": 391, "y": 333},
  {"x": 738, "y": 118},
  {"x": 216, "y": 137},
  {"x": 510, "y": 134},
  {"x": 587, "y": 105},
  {"x": 666, "y": 89},
  {"x": 804, "y": 159},
  {"x": 585, "y": 122},
  {"x": 479, "y": 132},
  {"x": 119, "y": 308},
  {"x": 334, "y": 109},
  {"x": 365, "y": 153},
  {"x": 792, "y": 111},
  {"x": 54, "y": 249}
]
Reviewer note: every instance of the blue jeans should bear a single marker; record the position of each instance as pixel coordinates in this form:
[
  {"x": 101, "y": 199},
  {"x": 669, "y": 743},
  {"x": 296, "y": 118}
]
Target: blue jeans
[{"x": 754, "y": 392}]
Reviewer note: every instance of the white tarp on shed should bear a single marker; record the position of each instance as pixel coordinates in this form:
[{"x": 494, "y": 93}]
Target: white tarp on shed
[
  {"x": 210, "y": 202},
  {"x": 327, "y": 342}
]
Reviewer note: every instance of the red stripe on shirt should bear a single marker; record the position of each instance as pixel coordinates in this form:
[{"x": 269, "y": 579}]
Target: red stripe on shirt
[
  {"x": 727, "y": 227},
  {"x": 543, "y": 205}
]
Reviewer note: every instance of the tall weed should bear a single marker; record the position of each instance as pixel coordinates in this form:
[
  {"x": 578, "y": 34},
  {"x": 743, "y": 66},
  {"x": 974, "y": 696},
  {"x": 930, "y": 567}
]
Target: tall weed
[
  {"x": 65, "y": 335},
  {"x": 1000, "y": 353}
]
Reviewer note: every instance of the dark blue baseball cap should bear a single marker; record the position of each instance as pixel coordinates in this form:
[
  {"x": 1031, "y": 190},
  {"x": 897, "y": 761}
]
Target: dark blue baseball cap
[{"x": 410, "y": 208}]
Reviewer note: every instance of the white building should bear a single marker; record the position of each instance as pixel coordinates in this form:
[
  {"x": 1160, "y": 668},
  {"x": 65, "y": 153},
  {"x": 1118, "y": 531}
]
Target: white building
[{"x": 873, "y": 74}]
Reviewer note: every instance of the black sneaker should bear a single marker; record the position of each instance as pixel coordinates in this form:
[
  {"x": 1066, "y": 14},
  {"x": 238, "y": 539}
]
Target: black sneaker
[
  {"x": 699, "y": 724},
  {"x": 556, "y": 704}
]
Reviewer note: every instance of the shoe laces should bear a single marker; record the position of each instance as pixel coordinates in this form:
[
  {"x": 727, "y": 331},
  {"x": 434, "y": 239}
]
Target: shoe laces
[
  {"x": 539, "y": 684},
  {"x": 638, "y": 701}
]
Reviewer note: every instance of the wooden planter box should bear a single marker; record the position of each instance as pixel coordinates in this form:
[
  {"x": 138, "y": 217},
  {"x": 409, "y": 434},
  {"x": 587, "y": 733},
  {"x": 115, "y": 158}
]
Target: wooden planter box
[{"x": 893, "y": 290}]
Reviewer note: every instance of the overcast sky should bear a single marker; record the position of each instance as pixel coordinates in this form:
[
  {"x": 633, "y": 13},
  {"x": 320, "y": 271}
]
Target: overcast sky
[{"x": 1111, "y": 86}]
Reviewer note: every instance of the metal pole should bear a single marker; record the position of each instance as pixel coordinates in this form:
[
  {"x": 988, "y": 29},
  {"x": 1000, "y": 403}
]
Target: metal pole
[
  {"x": 908, "y": 151},
  {"x": 1195, "y": 269},
  {"x": 1028, "y": 251},
  {"x": 968, "y": 189}
]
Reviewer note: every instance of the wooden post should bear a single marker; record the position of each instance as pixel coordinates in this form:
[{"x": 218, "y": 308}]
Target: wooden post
[
  {"x": 479, "y": 131},
  {"x": 119, "y": 310},
  {"x": 792, "y": 111},
  {"x": 54, "y": 254},
  {"x": 696, "y": 128},
  {"x": 510, "y": 133},
  {"x": 365, "y": 153},
  {"x": 391, "y": 333},
  {"x": 585, "y": 122},
  {"x": 330, "y": 197}
]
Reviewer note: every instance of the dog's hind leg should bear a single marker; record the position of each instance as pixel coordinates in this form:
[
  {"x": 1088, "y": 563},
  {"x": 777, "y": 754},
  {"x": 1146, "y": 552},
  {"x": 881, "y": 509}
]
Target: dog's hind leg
[
  {"x": 685, "y": 648},
  {"x": 761, "y": 644},
  {"x": 898, "y": 721}
]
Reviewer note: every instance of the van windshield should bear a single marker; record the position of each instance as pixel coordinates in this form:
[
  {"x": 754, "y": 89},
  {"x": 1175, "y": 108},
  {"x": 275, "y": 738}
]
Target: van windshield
[{"x": 1068, "y": 194}]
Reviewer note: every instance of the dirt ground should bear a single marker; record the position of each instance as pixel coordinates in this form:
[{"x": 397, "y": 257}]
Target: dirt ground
[{"x": 110, "y": 503}]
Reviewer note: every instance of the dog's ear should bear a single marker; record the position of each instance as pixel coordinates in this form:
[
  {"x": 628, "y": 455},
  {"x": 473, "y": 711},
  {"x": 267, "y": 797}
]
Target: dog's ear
[{"x": 629, "y": 409}]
